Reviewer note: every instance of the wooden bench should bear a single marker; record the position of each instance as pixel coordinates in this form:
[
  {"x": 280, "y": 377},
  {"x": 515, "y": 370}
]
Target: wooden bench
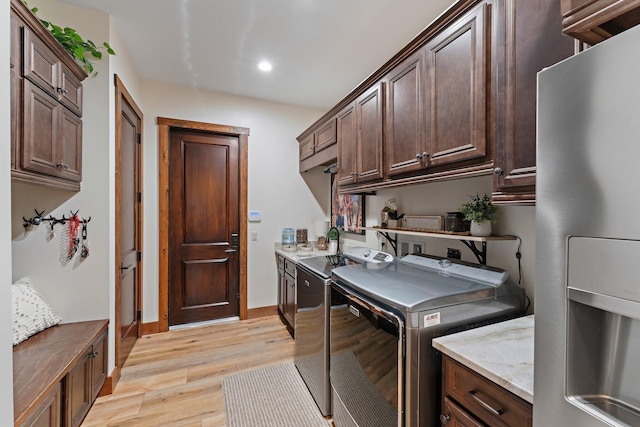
[{"x": 58, "y": 373}]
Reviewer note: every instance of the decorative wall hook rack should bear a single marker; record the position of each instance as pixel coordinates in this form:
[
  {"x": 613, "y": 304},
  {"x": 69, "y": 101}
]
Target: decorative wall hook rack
[{"x": 36, "y": 220}]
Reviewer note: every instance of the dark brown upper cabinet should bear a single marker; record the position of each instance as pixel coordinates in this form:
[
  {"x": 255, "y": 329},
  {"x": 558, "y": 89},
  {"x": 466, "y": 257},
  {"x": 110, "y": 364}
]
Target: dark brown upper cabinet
[
  {"x": 405, "y": 145},
  {"x": 457, "y": 63},
  {"x": 459, "y": 101},
  {"x": 318, "y": 145},
  {"x": 527, "y": 38},
  {"x": 359, "y": 135},
  {"x": 593, "y": 21},
  {"x": 46, "y": 106}
]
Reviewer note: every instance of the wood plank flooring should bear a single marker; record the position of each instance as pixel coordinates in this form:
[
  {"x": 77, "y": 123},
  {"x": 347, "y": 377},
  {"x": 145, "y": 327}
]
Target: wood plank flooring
[{"x": 175, "y": 378}]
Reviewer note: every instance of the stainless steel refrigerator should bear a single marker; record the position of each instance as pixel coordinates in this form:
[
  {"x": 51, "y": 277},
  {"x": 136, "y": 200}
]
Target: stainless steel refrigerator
[{"x": 587, "y": 274}]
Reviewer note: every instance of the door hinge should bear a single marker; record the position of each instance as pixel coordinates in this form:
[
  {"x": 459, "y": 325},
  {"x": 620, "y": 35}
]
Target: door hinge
[
  {"x": 139, "y": 138},
  {"x": 139, "y": 197},
  {"x": 238, "y": 295},
  {"x": 139, "y": 255},
  {"x": 139, "y": 315}
]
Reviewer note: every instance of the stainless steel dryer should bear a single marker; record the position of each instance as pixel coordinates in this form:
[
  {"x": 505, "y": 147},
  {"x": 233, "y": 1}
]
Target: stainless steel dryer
[{"x": 383, "y": 369}]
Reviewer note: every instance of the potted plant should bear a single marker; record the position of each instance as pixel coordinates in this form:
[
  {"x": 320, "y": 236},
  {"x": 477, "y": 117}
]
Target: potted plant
[
  {"x": 81, "y": 50},
  {"x": 389, "y": 216},
  {"x": 481, "y": 212},
  {"x": 334, "y": 240}
]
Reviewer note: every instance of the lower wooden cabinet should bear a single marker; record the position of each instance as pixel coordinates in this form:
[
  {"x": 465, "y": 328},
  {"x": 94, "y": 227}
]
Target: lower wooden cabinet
[
  {"x": 469, "y": 399},
  {"x": 287, "y": 292},
  {"x": 83, "y": 383},
  {"x": 58, "y": 373},
  {"x": 47, "y": 414}
]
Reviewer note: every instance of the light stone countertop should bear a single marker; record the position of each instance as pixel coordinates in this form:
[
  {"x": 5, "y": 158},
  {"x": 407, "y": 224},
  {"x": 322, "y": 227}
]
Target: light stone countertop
[
  {"x": 502, "y": 352},
  {"x": 298, "y": 255}
]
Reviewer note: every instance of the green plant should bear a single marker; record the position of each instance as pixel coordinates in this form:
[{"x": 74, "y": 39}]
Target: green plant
[
  {"x": 80, "y": 49},
  {"x": 479, "y": 209},
  {"x": 334, "y": 234}
]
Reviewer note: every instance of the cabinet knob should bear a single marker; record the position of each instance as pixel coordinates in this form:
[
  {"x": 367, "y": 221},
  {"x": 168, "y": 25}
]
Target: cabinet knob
[
  {"x": 62, "y": 166},
  {"x": 62, "y": 90},
  {"x": 93, "y": 355},
  {"x": 418, "y": 156},
  {"x": 498, "y": 171},
  {"x": 444, "y": 419},
  {"x": 425, "y": 155},
  {"x": 353, "y": 174}
]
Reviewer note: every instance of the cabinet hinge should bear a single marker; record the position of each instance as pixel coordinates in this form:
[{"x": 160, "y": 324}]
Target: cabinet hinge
[
  {"x": 139, "y": 197},
  {"x": 139, "y": 315},
  {"x": 238, "y": 295},
  {"x": 139, "y": 138},
  {"x": 139, "y": 255}
]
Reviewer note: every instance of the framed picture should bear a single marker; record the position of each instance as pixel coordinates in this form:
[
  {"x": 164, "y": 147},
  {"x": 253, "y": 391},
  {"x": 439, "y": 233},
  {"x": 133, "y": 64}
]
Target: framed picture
[{"x": 347, "y": 210}]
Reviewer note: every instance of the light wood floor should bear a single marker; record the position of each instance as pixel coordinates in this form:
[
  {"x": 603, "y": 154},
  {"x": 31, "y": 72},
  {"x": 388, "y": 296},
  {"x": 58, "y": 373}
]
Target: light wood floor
[{"x": 175, "y": 378}]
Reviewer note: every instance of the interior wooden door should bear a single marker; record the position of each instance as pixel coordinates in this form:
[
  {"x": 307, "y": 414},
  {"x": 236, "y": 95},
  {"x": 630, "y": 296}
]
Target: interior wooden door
[
  {"x": 128, "y": 223},
  {"x": 203, "y": 226}
]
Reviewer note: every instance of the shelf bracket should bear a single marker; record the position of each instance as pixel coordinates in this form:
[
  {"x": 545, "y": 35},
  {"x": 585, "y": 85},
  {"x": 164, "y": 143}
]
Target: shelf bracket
[
  {"x": 393, "y": 242},
  {"x": 481, "y": 254}
]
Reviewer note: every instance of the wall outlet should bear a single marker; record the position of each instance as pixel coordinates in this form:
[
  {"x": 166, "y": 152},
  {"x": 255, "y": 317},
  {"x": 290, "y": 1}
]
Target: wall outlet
[
  {"x": 454, "y": 253},
  {"x": 254, "y": 236}
]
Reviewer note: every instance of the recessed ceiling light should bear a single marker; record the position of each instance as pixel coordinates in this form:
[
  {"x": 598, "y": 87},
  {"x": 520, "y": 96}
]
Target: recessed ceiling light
[{"x": 265, "y": 66}]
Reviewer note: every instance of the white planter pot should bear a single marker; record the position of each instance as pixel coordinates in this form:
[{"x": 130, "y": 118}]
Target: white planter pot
[
  {"x": 481, "y": 229},
  {"x": 394, "y": 223}
]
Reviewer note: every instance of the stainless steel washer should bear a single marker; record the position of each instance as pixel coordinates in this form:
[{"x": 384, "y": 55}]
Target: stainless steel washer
[{"x": 383, "y": 369}]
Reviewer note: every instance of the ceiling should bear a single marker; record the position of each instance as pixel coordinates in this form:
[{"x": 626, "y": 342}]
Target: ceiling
[{"x": 320, "y": 49}]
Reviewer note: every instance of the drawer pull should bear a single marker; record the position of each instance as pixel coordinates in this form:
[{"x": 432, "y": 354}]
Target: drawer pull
[
  {"x": 485, "y": 405},
  {"x": 444, "y": 419}
]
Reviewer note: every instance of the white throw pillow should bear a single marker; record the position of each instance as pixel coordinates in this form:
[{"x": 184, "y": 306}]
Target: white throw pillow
[{"x": 31, "y": 314}]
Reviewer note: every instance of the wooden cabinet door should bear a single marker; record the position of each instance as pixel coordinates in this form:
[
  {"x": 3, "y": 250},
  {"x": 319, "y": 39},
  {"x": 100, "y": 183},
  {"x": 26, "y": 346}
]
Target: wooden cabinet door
[
  {"x": 307, "y": 147},
  {"x": 41, "y": 65},
  {"x": 290, "y": 299},
  {"x": 78, "y": 392},
  {"x": 99, "y": 365},
  {"x": 325, "y": 136},
  {"x": 405, "y": 143},
  {"x": 457, "y": 64},
  {"x": 70, "y": 145},
  {"x": 369, "y": 119},
  {"x": 70, "y": 90},
  {"x": 347, "y": 145},
  {"x": 527, "y": 39},
  {"x": 40, "y": 131},
  {"x": 47, "y": 414},
  {"x": 282, "y": 290}
]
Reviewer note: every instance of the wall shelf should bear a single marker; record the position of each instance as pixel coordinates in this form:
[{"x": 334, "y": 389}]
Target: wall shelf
[{"x": 468, "y": 240}]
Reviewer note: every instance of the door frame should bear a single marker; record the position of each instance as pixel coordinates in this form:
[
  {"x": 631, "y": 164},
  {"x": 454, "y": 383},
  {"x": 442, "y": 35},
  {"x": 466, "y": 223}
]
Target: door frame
[
  {"x": 121, "y": 93},
  {"x": 164, "y": 127}
]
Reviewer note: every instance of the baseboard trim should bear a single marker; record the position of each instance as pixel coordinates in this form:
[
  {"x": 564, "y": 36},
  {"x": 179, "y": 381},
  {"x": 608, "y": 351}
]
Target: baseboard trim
[
  {"x": 150, "y": 328},
  {"x": 255, "y": 313}
]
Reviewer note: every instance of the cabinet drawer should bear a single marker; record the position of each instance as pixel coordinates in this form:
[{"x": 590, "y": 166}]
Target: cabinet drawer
[
  {"x": 483, "y": 398},
  {"x": 290, "y": 267},
  {"x": 455, "y": 416}
]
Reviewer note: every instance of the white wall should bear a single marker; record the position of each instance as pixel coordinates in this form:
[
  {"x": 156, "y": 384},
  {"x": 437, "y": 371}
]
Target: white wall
[
  {"x": 275, "y": 189},
  {"x": 447, "y": 196},
  {"x": 6, "y": 353},
  {"x": 77, "y": 289}
]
